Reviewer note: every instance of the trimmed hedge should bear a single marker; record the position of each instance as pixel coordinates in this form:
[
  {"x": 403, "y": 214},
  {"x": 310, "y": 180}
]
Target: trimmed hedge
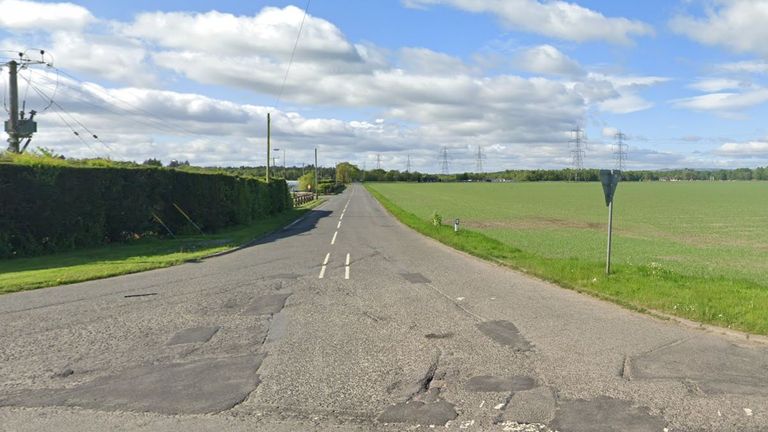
[{"x": 45, "y": 209}]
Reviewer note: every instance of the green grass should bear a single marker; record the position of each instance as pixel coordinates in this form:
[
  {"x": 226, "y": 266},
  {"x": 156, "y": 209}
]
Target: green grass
[
  {"x": 695, "y": 250},
  {"x": 147, "y": 254}
]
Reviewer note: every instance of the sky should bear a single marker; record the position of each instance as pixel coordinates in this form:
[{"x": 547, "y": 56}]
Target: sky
[{"x": 381, "y": 82}]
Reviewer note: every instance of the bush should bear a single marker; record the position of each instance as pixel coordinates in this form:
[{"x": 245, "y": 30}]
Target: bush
[
  {"x": 48, "y": 208},
  {"x": 437, "y": 220},
  {"x": 330, "y": 187}
]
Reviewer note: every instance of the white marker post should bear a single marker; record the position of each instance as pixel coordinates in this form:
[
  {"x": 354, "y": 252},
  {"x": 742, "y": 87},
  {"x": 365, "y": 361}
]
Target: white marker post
[{"x": 609, "y": 179}]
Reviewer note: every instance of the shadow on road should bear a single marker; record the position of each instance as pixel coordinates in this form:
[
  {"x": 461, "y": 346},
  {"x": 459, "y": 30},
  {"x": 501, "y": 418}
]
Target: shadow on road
[{"x": 304, "y": 225}]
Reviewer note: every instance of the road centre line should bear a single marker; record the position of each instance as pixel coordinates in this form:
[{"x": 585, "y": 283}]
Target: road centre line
[
  {"x": 346, "y": 268},
  {"x": 338, "y": 225},
  {"x": 327, "y": 257},
  {"x": 322, "y": 272},
  {"x": 333, "y": 240}
]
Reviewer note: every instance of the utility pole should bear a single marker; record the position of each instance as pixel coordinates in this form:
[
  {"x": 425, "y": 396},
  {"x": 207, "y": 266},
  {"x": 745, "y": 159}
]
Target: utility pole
[
  {"x": 316, "y": 182},
  {"x": 269, "y": 144},
  {"x": 577, "y": 154},
  {"x": 13, "y": 125},
  {"x": 620, "y": 151},
  {"x": 444, "y": 160}
]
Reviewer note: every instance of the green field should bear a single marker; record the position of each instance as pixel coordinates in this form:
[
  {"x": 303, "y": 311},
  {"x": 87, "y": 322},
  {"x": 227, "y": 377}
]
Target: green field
[{"x": 694, "y": 249}]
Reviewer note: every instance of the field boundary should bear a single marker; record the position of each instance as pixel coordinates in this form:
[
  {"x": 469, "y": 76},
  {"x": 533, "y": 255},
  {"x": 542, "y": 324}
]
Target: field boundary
[{"x": 557, "y": 271}]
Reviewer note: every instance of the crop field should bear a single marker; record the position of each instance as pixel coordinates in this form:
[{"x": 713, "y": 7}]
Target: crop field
[{"x": 694, "y": 249}]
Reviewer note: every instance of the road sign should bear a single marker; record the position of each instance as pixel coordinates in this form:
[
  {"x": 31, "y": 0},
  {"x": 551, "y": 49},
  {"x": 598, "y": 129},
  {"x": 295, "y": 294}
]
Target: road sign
[{"x": 609, "y": 179}]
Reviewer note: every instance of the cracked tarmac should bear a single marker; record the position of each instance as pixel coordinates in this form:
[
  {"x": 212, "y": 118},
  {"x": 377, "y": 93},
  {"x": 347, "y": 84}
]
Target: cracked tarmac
[{"x": 253, "y": 340}]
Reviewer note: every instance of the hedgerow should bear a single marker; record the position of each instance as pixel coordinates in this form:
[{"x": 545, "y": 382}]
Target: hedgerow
[{"x": 48, "y": 207}]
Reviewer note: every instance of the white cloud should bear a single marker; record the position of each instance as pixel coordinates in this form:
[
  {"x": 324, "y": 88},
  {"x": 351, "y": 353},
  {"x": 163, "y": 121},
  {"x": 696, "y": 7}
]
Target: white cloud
[
  {"x": 557, "y": 19},
  {"x": 23, "y": 15},
  {"x": 738, "y": 25},
  {"x": 744, "y": 149},
  {"x": 724, "y": 102},
  {"x": 271, "y": 32},
  {"x": 712, "y": 85},
  {"x": 546, "y": 59},
  {"x": 610, "y": 132},
  {"x": 750, "y": 67},
  {"x": 625, "y": 88}
]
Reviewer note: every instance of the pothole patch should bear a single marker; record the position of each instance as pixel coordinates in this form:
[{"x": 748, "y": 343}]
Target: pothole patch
[
  {"x": 416, "y": 412},
  {"x": 267, "y": 304},
  {"x": 505, "y": 333},
  {"x": 415, "y": 278},
  {"x": 500, "y": 384},
  {"x": 193, "y": 335},
  {"x": 203, "y": 386},
  {"x": 604, "y": 414}
]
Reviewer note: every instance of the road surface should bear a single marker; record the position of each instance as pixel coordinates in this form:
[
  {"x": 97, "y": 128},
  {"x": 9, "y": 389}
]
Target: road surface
[{"x": 348, "y": 321}]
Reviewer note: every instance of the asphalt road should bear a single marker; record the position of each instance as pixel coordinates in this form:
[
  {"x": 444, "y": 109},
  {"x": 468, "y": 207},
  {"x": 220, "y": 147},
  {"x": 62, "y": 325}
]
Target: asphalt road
[{"x": 349, "y": 321}]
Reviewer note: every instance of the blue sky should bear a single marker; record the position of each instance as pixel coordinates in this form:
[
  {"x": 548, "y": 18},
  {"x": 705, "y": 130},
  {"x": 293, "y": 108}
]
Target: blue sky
[{"x": 193, "y": 80}]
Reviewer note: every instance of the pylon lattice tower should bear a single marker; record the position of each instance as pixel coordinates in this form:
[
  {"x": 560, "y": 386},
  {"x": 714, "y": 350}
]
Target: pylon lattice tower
[
  {"x": 578, "y": 151},
  {"x": 620, "y": 150},
  {"x": 444, "y": 161},
  {"x": 479, "y": 160}
]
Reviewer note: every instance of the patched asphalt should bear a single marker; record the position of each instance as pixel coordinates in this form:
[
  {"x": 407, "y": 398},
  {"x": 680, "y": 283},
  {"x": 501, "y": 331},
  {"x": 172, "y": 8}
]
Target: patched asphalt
[{"x": 419, "y": 335}]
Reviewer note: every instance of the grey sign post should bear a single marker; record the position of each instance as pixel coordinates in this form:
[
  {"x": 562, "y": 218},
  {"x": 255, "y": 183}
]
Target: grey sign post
[{"x": 609, "y": 179}]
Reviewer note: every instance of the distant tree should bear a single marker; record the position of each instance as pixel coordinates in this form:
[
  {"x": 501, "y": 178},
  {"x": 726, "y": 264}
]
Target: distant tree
[
  {"x": 176, "y": 164},
  {"x": 346, "y": 172},
  {"x": 153, "y": 162}
]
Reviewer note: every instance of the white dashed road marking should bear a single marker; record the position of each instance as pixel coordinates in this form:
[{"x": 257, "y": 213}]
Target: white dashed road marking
[
  {"x": 333, "y": 240},
  {"x": 346, "y": 268}
]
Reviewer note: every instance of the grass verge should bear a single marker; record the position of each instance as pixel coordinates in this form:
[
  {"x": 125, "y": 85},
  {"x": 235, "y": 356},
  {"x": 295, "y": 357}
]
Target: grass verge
[
  {"x": 147, "y": 254},
  {"x": 738, "y": 304}
]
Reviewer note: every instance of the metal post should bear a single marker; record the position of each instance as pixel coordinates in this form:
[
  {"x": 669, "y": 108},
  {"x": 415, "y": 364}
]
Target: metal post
[
  {"x": 13, "y": 135},
  {"x": 269, "y": 144},
  {"x": 610, "y": 230},
  {"x": 317, "y": 195}
]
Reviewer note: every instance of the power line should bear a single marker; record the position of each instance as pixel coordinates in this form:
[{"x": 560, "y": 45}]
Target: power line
[
  {"x": 293, "y": 53},
  {"x": 149, "y": 117},
  {"x": 620, "y": 150},
  {"x": 73, "y": 118}
]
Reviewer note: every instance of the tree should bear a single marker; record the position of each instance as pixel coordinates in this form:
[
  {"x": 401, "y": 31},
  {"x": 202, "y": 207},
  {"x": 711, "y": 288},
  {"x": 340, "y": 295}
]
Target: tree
[
  {"x": 306, "y": 181},
  {"x": 153, "y": 162},
  {"x": 346, "y": 172}
]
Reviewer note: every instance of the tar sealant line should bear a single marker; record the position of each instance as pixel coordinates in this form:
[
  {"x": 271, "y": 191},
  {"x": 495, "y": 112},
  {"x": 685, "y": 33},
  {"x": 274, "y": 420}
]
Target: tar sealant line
[
  {"x": 346, "y": 268},
  {"x": 333, "y": 240}
]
